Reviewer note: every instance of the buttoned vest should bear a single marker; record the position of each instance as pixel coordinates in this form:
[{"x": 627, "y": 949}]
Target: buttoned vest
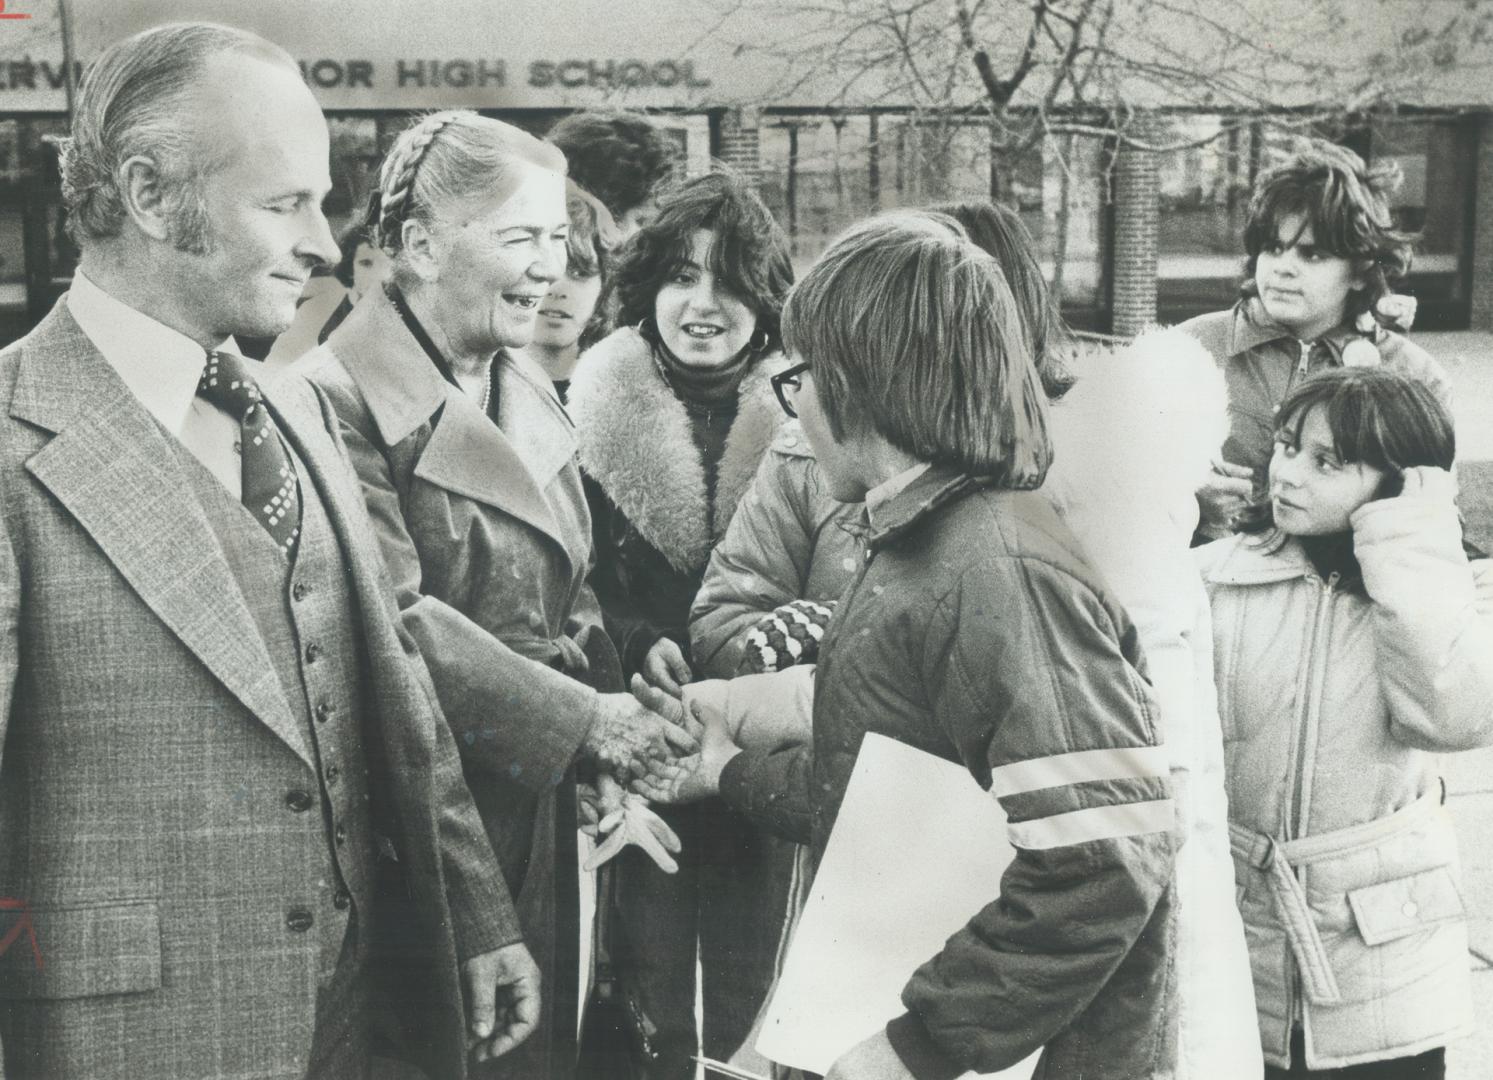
[{"x": 310, "y": 627}]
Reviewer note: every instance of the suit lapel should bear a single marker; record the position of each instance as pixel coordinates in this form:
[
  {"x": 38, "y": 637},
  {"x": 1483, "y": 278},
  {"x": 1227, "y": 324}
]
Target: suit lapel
[
  {"x": 116, "y": 473},
  {"x": 329, "y": 477}
]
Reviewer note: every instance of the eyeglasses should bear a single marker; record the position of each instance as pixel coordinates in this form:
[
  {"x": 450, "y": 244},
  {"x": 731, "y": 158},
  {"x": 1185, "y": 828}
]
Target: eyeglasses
[{"x": 786, "y": 384}]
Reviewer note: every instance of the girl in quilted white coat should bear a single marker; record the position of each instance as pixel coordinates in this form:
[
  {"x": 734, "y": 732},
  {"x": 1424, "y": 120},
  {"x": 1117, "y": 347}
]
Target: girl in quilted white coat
[{"x": 1353, "y": 641}]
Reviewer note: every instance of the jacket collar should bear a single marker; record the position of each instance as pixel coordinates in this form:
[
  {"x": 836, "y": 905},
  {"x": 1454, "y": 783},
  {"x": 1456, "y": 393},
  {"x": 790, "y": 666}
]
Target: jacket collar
[
  {"x": 634, "y": 440},
  {"x": 1258, "y": 560},
  {"x": 937, "y": 487},
  {"x": 1252, "y": 328},
  {"x": 380, "y": 354},
  {"x": 467, "y": 454},
  {"x": 113, "y": 469}
]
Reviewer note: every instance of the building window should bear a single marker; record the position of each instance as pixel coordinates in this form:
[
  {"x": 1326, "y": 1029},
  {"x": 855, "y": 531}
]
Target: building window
[
  {"x": 1435, "y": 157},
  {"x": 822, "y": 172},
  {"x": 355, "y": 160},
  {"x": 1204, "y": 201},
  {"x": 12, "y": 222}
]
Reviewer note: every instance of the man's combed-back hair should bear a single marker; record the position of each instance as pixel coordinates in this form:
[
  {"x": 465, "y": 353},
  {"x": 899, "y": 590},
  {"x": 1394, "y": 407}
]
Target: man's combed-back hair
[
  {"x": 134, "y": 103},
  {"x": 911, "y": 332},
  {"x": 619, "y": 157},
  {"x": 1346, "y": 204},
  {"x": 749, "y": 256},
  {"x": 445, "y": 158}
]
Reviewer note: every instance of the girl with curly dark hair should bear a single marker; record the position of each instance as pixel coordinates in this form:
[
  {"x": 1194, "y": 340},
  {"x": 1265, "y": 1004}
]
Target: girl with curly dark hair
[{"x": 673, "y": 413}]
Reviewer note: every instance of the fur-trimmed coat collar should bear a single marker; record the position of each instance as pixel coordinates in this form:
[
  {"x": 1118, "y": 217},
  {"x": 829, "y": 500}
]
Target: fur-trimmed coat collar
[{"x": 634, "y": 440}]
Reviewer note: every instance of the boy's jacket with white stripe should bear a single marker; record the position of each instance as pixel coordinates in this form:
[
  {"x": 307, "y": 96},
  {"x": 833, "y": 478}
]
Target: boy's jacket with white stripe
[
  {"x": 977, "y": 632},
  {"x": 1132, "y": 440}
]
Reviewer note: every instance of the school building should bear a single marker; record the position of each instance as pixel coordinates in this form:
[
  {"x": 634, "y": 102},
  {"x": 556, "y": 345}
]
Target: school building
[{"x": 1128, "y": 236}]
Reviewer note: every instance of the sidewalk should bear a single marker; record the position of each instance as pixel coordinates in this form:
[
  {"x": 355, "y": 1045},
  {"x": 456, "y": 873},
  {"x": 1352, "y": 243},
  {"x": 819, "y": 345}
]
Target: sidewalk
[{"x": 1468, "y": 358}]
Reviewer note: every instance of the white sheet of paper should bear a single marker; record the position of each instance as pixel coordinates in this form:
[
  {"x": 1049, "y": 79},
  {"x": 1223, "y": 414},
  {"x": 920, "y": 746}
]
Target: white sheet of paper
[{"x": 917, "y": 850}]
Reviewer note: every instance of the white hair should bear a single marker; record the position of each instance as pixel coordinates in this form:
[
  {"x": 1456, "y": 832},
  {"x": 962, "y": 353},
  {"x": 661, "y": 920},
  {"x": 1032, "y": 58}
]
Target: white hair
[{"x": 442, "y": 159}]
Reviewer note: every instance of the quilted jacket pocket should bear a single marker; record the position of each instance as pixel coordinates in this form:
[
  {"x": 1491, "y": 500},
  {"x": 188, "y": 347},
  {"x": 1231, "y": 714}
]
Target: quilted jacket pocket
[
  {"x": 1394, "y": 909},
  {"x": 81, "y": 951}
]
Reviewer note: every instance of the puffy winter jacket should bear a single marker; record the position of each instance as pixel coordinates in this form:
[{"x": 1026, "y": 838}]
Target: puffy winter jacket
[
  {"x": 788, "y": 541},
  {"x": 1132, "y": 439},
  {"x": 1334, "y": 705},
  {"x": 975, "y": 631}
]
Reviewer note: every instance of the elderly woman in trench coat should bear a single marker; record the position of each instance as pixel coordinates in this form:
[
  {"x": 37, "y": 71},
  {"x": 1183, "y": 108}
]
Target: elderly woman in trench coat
[{"x": 467, "y": 462}]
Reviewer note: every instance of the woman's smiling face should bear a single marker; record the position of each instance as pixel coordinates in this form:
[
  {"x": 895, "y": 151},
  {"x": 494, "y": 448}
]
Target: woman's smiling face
[
  {"x": 500, "y": 258},
  {"x": 701, "y": 321}
]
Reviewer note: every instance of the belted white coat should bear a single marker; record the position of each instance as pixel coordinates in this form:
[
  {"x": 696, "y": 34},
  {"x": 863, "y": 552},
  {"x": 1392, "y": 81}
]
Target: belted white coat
[{"x": 1334, "y": 707}]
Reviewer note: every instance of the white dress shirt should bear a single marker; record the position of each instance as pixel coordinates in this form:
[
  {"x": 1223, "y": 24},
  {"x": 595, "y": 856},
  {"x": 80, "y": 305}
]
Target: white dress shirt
[{"x": 161, "y": 366}]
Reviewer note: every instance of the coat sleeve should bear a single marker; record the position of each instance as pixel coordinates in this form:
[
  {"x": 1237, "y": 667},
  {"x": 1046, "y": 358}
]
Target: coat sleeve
[
  {"x": 772, "y": 788},
  {"x": 509, "y": 714},
  {"x": 761, "y": 563},
  {"x": 483, "y": 915},
  {"x": 1049, "y": 712},
  {"x": 1432, "y": 617}
]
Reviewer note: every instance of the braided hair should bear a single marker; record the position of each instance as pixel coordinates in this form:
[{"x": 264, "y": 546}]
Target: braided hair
[{"x": 445, "y": 157}]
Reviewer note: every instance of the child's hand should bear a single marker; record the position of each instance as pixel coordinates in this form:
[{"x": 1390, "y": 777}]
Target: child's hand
[
  {"x": 1225, "y": 492},
  {"x": 1421, "y": 521},
  {"x": 698, "y": 776},
  {"x": 665, "y": 667},
  {"x": 1428, "y": 482}
]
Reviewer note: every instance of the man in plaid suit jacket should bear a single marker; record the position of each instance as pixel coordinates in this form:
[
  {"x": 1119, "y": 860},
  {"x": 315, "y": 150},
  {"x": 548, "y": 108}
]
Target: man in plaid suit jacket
[{"x": 230, "y": 810}]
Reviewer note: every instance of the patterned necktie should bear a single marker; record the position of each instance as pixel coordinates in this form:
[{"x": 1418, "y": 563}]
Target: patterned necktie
[{"x": 271, "y": 492}]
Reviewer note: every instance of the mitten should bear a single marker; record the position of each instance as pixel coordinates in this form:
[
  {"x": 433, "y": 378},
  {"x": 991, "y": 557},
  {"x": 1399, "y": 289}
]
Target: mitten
[{"x": 789, "y": 635}]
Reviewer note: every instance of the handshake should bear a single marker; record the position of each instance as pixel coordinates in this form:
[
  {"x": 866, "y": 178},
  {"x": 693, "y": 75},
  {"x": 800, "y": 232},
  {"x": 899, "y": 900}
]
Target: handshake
[{"x": 649, "y": 742}]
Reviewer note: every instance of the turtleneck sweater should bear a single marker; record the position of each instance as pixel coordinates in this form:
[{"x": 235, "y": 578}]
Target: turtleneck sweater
[
  {"x": 1333, "y": 554},
  {"x": 709, "y": 396}
]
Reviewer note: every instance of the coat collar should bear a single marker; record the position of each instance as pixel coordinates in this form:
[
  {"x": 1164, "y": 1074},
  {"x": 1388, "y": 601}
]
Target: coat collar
[
  {"x": 1255, "y": 560},
  {"x": 1251, "y": 328},
  {"x": 937, "y": 487},
  {"x": 467, "y": 454},
  {"x": 380, "y": 354},
  {"x": 634, "y": 440},
  {"x": 111, "y": 466}
]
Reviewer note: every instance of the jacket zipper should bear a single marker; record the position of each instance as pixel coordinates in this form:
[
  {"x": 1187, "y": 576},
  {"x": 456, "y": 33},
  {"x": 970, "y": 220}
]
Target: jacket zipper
[
  {"x": 1311, "y": 702},
  {"x": 1306, "y": 357}
]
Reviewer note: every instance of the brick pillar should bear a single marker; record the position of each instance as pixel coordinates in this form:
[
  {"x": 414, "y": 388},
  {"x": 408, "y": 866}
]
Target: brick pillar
[
  {"x": 1482, "y": 234},
  {"x": 1136, "y": 214},
  {"x": 740, "y": 148}
]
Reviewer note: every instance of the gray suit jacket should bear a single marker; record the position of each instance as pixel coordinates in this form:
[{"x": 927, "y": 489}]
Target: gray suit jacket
[{"x": 147, "y": 750}]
